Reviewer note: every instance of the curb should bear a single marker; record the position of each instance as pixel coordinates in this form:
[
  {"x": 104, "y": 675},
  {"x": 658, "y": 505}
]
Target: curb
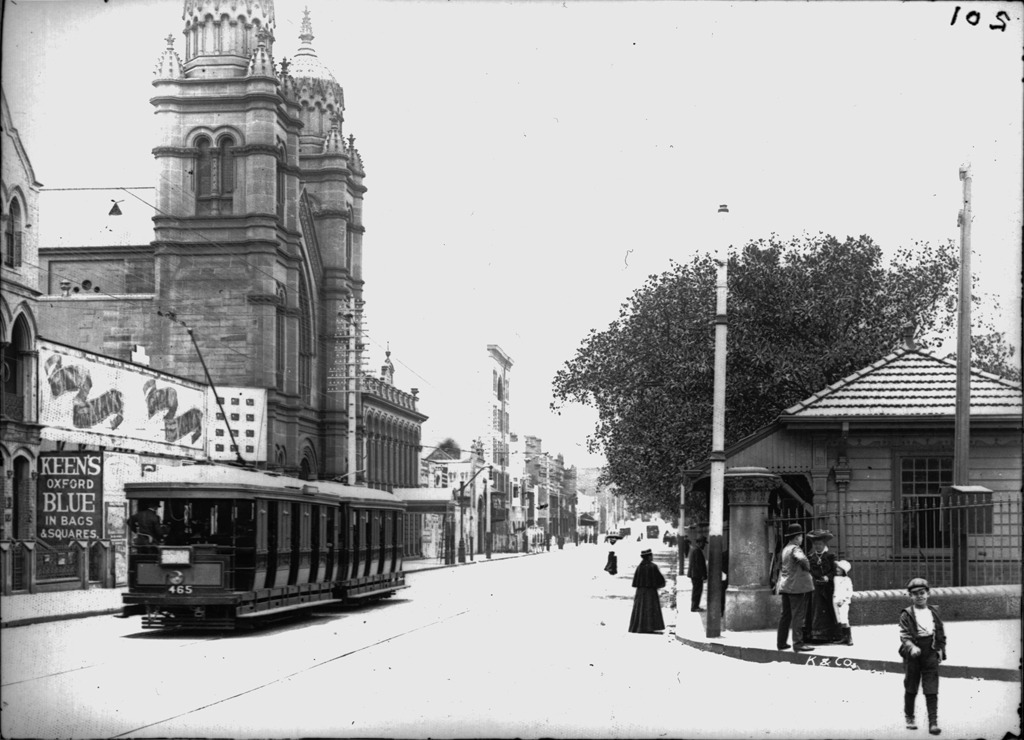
[
  {"x": 27, "y": 621},
  {"x": 761, "y": 655}
]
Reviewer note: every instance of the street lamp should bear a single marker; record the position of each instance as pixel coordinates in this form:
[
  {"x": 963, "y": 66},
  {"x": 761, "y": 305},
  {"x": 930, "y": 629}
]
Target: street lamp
[{"x": 459, "y": 495}]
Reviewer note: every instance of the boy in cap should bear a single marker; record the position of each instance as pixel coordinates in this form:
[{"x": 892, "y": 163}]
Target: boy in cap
[{"x": 923, "y": 647}]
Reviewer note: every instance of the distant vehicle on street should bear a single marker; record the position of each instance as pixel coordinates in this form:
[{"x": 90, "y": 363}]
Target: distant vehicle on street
[
  {"x": 240, "y": 546},
  {"x": 653, "y": 532}
]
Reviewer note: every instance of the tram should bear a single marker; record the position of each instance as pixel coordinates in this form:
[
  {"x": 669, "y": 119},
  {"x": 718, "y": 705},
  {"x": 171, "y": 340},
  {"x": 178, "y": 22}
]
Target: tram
[{"x": 237, "y": 547}]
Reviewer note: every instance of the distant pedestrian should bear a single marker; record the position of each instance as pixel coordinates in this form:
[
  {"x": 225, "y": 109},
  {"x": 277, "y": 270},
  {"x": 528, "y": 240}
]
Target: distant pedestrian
[
  {"x": 686, "y": 547},
  {"x": 923, "y": 647},
  {"x": 794, "y": 585},
  {"x": 647, "y": 579},
  {"x": 612, "y": 566},
  {"x": 698, "y": 572},
  {"x": 842, "y": 595}
]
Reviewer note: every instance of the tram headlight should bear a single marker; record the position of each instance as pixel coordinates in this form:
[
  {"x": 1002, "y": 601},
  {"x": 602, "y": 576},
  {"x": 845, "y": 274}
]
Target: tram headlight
[{"x": 175, "y": 556}]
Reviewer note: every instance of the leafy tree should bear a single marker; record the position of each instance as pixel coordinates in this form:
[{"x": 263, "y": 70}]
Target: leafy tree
[{"x": 802, "y": 314}]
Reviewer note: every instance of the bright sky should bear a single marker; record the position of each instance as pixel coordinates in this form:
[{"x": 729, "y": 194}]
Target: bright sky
[{"x": 530, "y": 164}]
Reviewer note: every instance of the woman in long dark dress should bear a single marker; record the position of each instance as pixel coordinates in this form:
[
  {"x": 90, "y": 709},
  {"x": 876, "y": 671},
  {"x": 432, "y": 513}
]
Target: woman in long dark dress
[
  {"x": 647, "y": 580},
  {"x": 821, "y": 618}
]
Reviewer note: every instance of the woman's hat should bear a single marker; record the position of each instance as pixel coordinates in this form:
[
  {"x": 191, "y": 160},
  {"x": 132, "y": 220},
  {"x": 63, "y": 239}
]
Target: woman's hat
[
  {"x": 645, "y": 552},
  {"x": 845, "y": 565},
  {"x": 819, "y": 534},
  {"x": 793, "y": 530}
]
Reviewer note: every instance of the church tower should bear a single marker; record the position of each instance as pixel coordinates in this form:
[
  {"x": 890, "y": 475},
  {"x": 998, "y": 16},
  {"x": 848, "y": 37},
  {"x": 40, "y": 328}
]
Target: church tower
[{"x": 258, "y": 235}]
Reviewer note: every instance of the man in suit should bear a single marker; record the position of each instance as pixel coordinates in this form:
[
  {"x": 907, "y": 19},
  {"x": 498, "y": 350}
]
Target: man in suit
[{"x": 698, "y": 572}]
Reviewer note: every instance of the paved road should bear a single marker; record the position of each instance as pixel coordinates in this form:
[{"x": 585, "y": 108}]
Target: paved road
[{"x": 526, "y": 647}]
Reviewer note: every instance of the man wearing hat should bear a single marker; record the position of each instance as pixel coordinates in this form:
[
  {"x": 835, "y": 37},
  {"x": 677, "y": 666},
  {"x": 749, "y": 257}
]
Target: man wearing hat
[
  {"x": 795, "y": 584},
  {"x": 923, "y": 647},
  {"x": 698, "y": 572}
]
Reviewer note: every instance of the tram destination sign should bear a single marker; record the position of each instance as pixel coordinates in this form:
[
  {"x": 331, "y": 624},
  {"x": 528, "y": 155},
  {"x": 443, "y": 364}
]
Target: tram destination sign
[{"x": 69, "y": 498}]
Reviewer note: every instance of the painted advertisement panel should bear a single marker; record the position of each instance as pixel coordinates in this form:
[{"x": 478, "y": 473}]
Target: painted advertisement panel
[
  {"x": 69, "y": 497},
  {"x": 244, "y": 417},
  {"x": 91, "y": 399}
]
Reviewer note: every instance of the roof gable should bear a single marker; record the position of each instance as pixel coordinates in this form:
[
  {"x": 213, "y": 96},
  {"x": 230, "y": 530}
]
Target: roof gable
[{"x": 909, "y": 383}]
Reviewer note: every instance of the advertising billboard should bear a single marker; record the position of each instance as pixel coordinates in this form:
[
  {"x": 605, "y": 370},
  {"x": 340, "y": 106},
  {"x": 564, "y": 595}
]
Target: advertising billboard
[
  {"x": 69, "y": 497},
  {"x": 91, "y": 399}
]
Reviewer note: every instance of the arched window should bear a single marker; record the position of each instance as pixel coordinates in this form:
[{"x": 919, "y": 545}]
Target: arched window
[
  {"x": 214, "y": 176},
  {"x": 12, "y": 235},
  {"x": 282, "y": 305},
  {"x": 305, "y": 341}
]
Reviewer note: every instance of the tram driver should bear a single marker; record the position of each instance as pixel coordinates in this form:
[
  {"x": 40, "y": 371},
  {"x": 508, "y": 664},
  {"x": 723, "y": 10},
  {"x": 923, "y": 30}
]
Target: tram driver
[{"x": 145, "y": 524}]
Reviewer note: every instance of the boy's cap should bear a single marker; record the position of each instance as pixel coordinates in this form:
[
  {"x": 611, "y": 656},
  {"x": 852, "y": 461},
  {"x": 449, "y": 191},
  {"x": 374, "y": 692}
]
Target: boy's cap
[{"x": 916, "y": 583}]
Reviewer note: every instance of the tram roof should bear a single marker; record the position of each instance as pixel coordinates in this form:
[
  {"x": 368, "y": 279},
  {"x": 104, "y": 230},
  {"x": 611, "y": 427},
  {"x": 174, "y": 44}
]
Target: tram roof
[{"x": 226, "y": 476}]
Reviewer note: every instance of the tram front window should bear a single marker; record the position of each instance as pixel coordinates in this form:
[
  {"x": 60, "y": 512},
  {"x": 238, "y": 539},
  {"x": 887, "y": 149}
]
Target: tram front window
[{"x": 198, "y": 521}]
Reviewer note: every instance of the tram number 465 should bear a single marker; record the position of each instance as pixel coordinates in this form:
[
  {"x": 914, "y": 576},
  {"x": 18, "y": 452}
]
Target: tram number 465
[
  {"x": 179, "y": 589},
  {"x": 973, "y": 17}
]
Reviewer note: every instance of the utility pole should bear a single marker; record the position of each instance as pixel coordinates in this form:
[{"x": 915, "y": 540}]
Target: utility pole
[
  {"x": 962, "y": 431},
  {"x": 717, "y": 504},
  {"x": 352, "y": 370}
]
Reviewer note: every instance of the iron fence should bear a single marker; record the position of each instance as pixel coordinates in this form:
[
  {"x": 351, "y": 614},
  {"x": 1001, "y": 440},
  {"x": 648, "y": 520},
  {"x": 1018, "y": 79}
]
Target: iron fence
[{"x": 951, "y": 540}]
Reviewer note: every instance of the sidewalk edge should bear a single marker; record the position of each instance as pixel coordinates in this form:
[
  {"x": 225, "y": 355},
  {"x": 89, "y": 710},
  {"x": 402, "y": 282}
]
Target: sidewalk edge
[
  {"x": 761, "y": 655},
  {"x": 26, "y": 621}
]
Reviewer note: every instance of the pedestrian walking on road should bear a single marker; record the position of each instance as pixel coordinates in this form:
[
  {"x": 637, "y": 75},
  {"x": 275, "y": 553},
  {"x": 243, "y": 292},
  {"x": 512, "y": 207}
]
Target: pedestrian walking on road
[
  {"x": 698, "y": 572},
  {"x": 647, "y": 579},
  {"x": 842, "y": 595},
  {"x": 795, "y": 586},
  {"x": 612, "y": 566},
  {"x": 923, "y": 647}
]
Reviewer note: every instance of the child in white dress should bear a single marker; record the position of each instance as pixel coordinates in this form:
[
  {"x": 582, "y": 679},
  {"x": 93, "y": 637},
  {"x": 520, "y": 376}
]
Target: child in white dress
[{"x": 842, "y": 594}]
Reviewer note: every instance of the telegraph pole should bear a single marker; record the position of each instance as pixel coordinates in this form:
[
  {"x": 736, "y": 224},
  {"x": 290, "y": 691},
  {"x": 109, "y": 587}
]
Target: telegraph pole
[
  {"x": 353, "y": 389},
  {"x": 717, "y": 505},
  {"x": 962, "y": 431}
]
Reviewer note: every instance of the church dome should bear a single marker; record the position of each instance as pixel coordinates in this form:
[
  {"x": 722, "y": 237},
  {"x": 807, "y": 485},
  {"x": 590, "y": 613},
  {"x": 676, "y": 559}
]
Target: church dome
[{"x": 320, "y": 97}]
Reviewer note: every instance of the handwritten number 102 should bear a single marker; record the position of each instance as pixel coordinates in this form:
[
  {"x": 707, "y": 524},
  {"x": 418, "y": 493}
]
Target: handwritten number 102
[{"x": 974, "y": 17}]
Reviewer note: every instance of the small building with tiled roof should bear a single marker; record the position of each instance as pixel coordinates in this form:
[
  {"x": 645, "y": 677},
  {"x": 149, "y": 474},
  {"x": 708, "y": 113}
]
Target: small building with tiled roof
[{"x": 870, "y": 458}]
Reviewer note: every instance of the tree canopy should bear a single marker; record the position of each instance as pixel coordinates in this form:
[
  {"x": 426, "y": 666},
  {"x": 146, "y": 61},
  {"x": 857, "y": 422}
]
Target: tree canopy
[{"x": 802, "y": 314}]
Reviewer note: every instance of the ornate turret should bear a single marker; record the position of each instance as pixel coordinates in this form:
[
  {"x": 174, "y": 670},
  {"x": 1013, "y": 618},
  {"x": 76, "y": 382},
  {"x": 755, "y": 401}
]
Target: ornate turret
[
  {"x": 222, "y": 35},
  {"x": 319, "y": 94},
  {"x": 168, "y": 66},
  {"x": 261, "y": 64}
]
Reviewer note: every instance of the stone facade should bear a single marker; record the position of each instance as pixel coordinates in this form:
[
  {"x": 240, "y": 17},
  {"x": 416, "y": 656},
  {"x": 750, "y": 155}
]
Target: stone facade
[
  {"x": 255, "y": 268},
  {"x": 19, "y": 291}
]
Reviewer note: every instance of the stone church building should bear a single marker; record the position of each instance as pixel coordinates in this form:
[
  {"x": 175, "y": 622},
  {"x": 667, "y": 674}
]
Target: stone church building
[{"x": 254, "y": 277}]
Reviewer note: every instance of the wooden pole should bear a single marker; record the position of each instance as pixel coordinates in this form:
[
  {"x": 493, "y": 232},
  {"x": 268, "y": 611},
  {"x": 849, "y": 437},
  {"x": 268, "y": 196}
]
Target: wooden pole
[
  {"x": 962, "y": 433},
  {"x": 716, "y": 511}
]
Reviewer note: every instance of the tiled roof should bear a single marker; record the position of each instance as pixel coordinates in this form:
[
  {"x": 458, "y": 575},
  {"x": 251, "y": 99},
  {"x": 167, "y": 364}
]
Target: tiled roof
[{"x": 909, "y": 383}]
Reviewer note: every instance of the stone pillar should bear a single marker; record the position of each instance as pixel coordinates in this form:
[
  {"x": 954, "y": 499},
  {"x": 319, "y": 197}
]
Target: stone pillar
[{"x": 748, "y": 599}]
